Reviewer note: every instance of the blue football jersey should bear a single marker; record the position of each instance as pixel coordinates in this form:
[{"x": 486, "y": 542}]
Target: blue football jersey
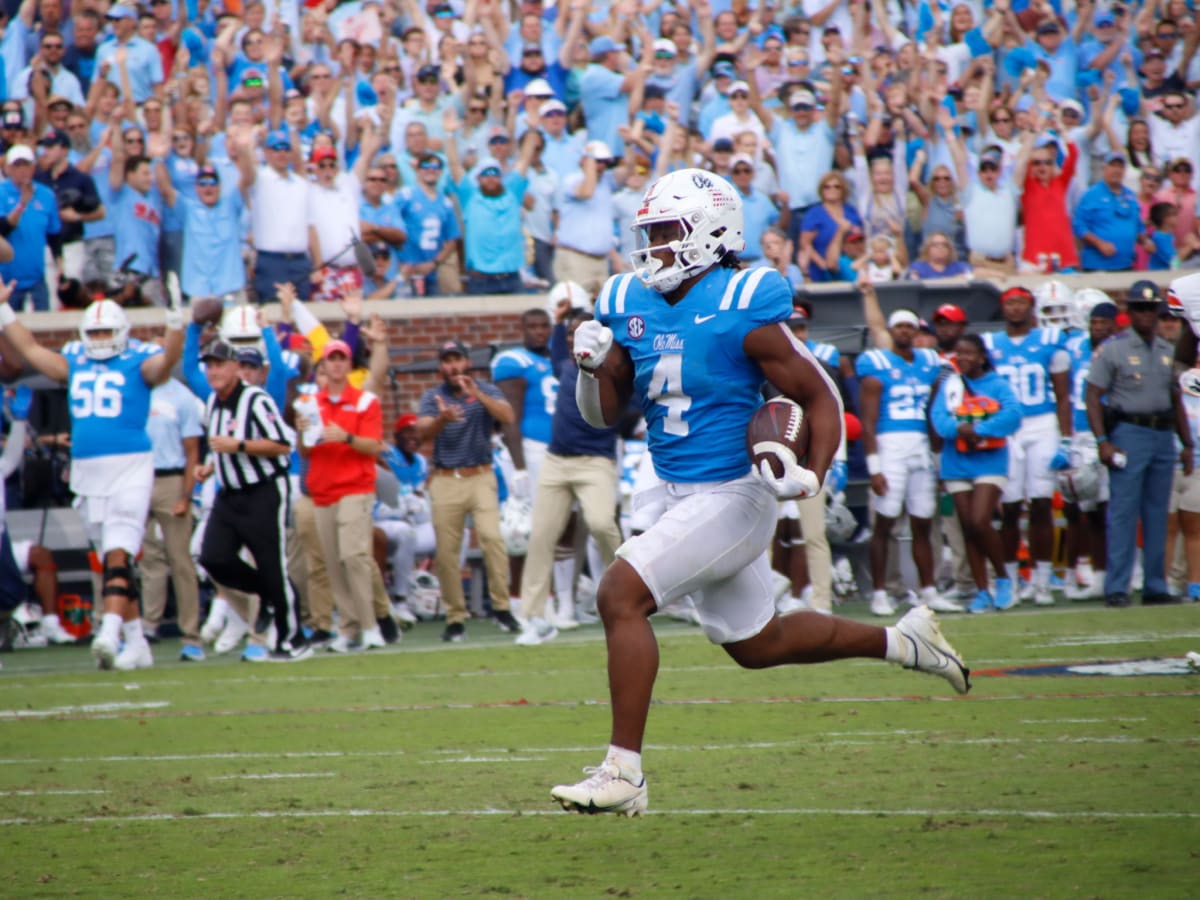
[
  {"x": 904, "y": 401},
  {"x": 1079, "y": 348},
  {"x": 826, "y": 353},
  {"x": 697, "y": 387},
  {"x": 541, "y": 387},
  {"x": 110, "y": 400},
  {"x": 1026, "y": 365}
]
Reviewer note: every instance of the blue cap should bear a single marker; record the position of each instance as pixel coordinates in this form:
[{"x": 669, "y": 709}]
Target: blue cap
[
  {"x": 250, "y": 357},
  {"x": 279, "y": 139},
  {"x": 1104, "y": 20},
  {"x": 1115, "y": 156},
  {"x": 1131, "y": 101},
  {"x": 1104, "y": 310},
  {"x": 724, "y": 69},
  {"x": 1143, "y": 291},
  {"x": 1018, "y": 60},
  {"x": 601, "y": 45},
  {"x": 118, "y": 11},
  {"x": 364, "y": 94}
]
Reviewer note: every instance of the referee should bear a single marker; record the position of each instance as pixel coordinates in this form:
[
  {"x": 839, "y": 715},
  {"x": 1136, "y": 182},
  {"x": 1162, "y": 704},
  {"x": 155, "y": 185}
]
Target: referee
[{"x": 250, "y": 448}]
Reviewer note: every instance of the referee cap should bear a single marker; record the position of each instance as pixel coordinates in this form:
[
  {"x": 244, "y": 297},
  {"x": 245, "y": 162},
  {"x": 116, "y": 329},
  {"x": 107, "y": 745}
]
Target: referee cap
[{"x": 219, "y": 351}]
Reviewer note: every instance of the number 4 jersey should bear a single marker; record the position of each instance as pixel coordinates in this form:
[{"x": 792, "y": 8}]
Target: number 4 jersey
[
  {"x": 110, "y": 401},
  {"x": 697, "y": 386}
]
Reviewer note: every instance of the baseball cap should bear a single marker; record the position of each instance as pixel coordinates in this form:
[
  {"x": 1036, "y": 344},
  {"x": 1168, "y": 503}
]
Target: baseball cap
[
  {"x": 292, "y": 94},
  {"x": 207, "y": 174},
  {"x": 117, "y": 11},
  {"x": 443, "y": 11},
  {"x": 723, "y": 69},
  {"x": 1105, "y": 20},
  {"x": 427, "y": 71},
  {"x": 379, "y": 248},
  {"x": 1116, "y": 156},
  {"x": 552, "y": 106},
  {"x": 532, "y": 50},
  {"x": 404, "y": 420},
  {"x": 722, "y": 145},
  {"x": 54, "y": 138},
  {"x": 904, "y": 317},
  {"x": 59, "y": 100},
  {"x": 1154, "y": 52},
  {"x": 1104, "y": 310},
  {"x": 18, "y": 153},
  {"x": 499, "y": 135},
  {"x": 323, "y": 152},
  {"x": 279, "y": 139},
  {"x": 450, "y": 347},
  {"x": 336, "y": 346},
  {"x": 13, "y": 118},
  {"x": 739, "y": 86},
  {"x": 665, "y": 47},
  {"x": 250, "y": 357},
  {"x": 803, "y": 99},
  {"x": 601, "y": 45},
  {"x": 854, "y": 234},
  {"x": 741, "y": 159},
  {"x": 1143, "y": 292},
  {"x": 799, "y": 314},
  {"x": 597, "y": 150},
  {"x": 653, "y": 92},
  {"x": 1073, "y": 105},
  {"x": 950, "y": 313},
  {"x": 1050, "y": 26},
  {"x": 539, "y": 87},
  {"x": 218, "y": 350}
]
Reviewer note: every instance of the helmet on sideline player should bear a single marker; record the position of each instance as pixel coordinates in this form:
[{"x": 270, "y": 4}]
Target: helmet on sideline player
[
  {"x": 104, "y": 315},
  {"x": 240, "y": 328},
  {"x": 840, "y": 523},
  {"x": 516, "y": 525},
  {"x": 1082, "y": 483},
  {"x": 709, "y": 213},
  {"x": 573, "y": 293},
  {"x": 1082, "y": 304},
  {"x": 1053, "y": 304}
]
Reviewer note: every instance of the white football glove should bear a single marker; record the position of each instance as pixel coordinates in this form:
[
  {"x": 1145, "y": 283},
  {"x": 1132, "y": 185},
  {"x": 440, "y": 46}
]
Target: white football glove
[
  {"x": 1189, "y": 382},
  {"x": 592, "y": 343},
  {"x": 518, "y": 485},
  {"x": 796, "y": 482}
]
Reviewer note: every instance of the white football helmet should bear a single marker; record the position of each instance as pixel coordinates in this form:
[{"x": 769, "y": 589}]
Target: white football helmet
[
  {"x": 1183, "y": 299},
  {"x": 104, "y": 315},
  {"x": 1053, "y": 304},
  {"x": 709, "y": 212},
  {"x": 840, "y": 523},
  {"x": 240, "y": 328},
  {"x": 424, "y": 595},
  {"x": 1081, "y": 484},
  {"x": 1082, "y": 304},
  {"x": 573, "y": 292},
  {"x": 516, "y": 525}
]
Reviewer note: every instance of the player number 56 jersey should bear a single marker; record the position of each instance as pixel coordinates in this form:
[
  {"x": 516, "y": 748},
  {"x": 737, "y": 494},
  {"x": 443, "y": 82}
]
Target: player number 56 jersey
[
  {"x": 697, "y": 386},
  {"x": 110, "y": 400}
]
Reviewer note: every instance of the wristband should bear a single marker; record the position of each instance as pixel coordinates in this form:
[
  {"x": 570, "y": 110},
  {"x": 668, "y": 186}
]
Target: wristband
[
  {"x": 1101, "y": 439},
  {"x": 241, "y": 446},
  {"x": 873, "y": 465},
  {"x": 349, "y": 438},
  {"x": 174, "y": 318},
  {"x": 7, "y": 316}
]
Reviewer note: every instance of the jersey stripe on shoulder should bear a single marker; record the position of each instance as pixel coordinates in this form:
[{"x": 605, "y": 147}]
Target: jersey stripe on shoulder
[
  {"x": 877, "y": 358},
  {"x": 602, "y": 302},
  {"x": 365, "y": 399},
  {"x": 751, "y": 282},
  {"x": 71, "y": 347},
  {"x": 622, "y": 290},
  {"x": 731, "y": 288}
]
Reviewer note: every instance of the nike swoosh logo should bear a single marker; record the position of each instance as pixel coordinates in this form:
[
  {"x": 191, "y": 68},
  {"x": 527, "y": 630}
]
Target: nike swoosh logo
[{"x": 700, "y": 320}]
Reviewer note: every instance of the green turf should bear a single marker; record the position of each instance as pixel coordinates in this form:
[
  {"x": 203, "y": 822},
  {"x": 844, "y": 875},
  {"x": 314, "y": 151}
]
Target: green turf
[{"x": 424, "y": 771}]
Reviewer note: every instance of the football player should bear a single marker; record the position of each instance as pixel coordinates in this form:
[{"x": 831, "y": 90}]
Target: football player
[
  {"x": 893, "y": 403},
  {"x": 109, "y": 376},
  {"x": 693, "y": 336},
  {"x": 1036, "y": 364}
]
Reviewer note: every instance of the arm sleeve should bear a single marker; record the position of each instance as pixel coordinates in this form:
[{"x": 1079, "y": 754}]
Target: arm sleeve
[
  {"x": 191, "y": 362},
  {"x": 14, "y": 449}
]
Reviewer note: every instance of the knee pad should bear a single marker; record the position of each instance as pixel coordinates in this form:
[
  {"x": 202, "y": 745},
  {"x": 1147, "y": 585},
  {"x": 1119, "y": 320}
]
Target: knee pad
[{"x": 125, "y": 573}]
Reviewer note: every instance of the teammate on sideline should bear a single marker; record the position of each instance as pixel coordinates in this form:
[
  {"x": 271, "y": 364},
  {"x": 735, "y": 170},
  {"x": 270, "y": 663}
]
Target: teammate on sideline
[
  {"x": 109, "y": 377},
  {"x": 1037, "y": 367},
  {"x": 694, "y": 336},
  {"x": 893, "y": 403}
]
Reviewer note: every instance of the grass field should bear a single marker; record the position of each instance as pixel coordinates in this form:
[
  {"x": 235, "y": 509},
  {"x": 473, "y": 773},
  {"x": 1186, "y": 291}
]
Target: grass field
[{"x": 424, "y": 771}]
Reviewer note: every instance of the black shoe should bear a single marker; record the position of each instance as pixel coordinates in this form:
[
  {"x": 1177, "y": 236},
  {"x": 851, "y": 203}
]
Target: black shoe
[
  {"x": 263, "y": 620},
  {"x": 506, "y": 621},
  {"x": 454, "y": 633},
  {"x": 1116, "y": 599},
  {"x": 1159, "y": 599},
  {"x": 389, "y": 630},
  {"x": 288, "y": 652},
  {"x": 320, "y": 637}
]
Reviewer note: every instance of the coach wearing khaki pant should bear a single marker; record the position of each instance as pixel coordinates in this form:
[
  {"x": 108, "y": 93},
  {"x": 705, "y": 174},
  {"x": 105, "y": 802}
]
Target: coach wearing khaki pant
[
  {"x": 341, "y": 482},
  {"x": 459, "y": 416}
]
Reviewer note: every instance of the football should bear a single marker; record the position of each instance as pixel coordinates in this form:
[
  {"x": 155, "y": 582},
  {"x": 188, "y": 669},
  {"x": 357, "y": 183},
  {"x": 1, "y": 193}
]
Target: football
[
  {"x": 207, "y": 310},
  {"x": 778, "y": 421}
]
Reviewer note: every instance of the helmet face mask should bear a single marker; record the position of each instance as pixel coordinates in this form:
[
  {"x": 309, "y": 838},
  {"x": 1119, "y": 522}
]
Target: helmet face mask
[
  {"x": 1054, "y": 305},
  {"x": 240, "y": 328},
  {"x": 104, "y": 317},
  {"x": 707, "y": 213}
]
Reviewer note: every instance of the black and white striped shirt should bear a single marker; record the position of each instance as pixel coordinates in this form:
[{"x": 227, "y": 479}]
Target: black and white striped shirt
[{"x": 247, "y": 414}]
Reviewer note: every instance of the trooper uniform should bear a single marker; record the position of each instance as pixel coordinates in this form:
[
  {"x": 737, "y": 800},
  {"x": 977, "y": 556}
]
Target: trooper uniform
[{"x": 1135, "y": 378}]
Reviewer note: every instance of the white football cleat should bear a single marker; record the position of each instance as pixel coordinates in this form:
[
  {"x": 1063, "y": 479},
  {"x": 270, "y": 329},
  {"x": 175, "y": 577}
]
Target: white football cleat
[
  {"x": 1042, "y": 596},
  {"x": 932, "y": 653},
  {"x": 372, "y": 638},
  {"x": 537, "y": 631},
  {"x": 789, "y": 604},
  {"x": 218, "y": 611},
  {"x": 232, "y": 634},
  {"x": 104, "y": 651},
  {"x": 342, "y": 644},
  {"x": 938, "y": 602},
  {"x": 134, "y": 655},
  {"x": 605, "y": 790},
  {"x": 51, "y": 627},
  {"x": 882, "y": 604},
  {"x": 402, "y": 612}
]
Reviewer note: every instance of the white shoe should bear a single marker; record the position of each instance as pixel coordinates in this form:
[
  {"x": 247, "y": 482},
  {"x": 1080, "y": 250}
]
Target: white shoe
[
  {"x": 342, "y": 644},
  {"x": 402, "y": 612},
  {"x": 1075, "y": 591},
  {"x": 537, "y": 631},
  {"x": 104, "y": 651},
  {"x": 882, "y": 604},
  {"x": 1042, "y": 596},
  {"x": 939, "y": 603},
  {"x": 232, "y": 634},
  {"x": 134, "y": 655},
  {"x": 781, "y": 586},
  {"x": 932, "y": 653},
  {"x": 218, "y": 612},
  {"x": 789, "y": 604},
  {"x": 1026, "y": 591},
  {"x": 562, "y": 621},
  {"x": 51, "y": 628},
  {"x": 372, "y": 638},
  {"x": 605, "y": 790}
]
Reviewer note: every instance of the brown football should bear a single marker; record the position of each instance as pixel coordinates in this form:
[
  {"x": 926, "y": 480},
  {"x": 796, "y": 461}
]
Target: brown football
[
  {"x": 207, "y": 310},
  {"x": 778, "y": 421}
]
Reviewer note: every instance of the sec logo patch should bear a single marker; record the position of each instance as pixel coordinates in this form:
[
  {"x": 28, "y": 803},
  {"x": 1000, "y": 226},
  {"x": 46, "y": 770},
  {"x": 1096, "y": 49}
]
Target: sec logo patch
[{"x": 636, "y": 327}]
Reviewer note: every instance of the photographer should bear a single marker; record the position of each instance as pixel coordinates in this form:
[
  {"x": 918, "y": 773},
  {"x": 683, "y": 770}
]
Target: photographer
[{"x": 78, "y": 202}]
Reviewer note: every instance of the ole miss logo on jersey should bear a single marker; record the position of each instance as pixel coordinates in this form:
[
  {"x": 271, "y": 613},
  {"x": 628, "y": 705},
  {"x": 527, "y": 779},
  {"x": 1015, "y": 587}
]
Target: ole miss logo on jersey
[{"x": 147, "y": 213}]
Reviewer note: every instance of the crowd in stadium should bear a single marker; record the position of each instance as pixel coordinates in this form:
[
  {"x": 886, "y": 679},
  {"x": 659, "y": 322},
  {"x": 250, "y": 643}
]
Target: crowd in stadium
[{"x": 214, "y": 155}]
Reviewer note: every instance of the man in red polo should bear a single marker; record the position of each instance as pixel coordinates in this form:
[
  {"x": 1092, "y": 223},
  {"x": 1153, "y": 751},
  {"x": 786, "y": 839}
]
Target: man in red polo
[{"x": 341, "y": 480}]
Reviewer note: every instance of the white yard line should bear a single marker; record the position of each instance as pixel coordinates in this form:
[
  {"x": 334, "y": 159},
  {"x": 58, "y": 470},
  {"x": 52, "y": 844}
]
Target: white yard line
[
  {"x": 271, "y": 776},
  {"x": 90, "y": 709},
  {"x": 49, "y": 793}
]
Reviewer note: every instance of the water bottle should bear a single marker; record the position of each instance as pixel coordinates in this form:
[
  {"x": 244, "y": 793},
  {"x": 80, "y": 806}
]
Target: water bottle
[
  {"x": 306, "y": 405},
  {"x": 418, "y": 285},
  {"x": 1042, "y": 262},
  {"x": 1055, "y": 262}
]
